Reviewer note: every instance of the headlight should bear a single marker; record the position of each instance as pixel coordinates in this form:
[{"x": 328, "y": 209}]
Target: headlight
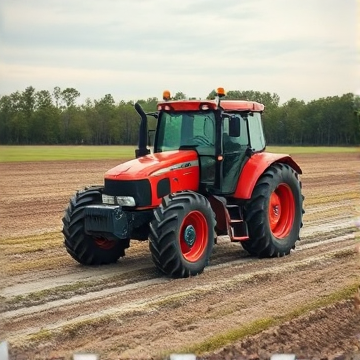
[
  {"x": 126, "y": 200},
  {"x": 107, "y": 199}
]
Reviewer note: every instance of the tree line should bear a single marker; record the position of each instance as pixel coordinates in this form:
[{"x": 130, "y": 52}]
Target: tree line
[{"x": 33, "y": 117}]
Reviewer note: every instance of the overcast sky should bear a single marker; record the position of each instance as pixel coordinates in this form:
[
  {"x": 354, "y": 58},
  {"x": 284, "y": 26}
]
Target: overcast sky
[{"x": 134, "y": 49}]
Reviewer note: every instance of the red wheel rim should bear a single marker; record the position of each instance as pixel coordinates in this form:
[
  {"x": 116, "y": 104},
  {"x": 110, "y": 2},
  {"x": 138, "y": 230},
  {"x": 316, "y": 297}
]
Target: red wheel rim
[
  {"x": 281, "y": 211},
  {"x": 105, "y": 244},
  {"x": 193, "y": 236}
]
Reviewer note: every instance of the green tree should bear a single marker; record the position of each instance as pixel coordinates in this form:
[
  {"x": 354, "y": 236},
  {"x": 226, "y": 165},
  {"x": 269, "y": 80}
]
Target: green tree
[
  {"x": 105, "y": 114},
  {"x": 356, "y": 105},
  {"x": 6, "y": 113},
  {"x": 129, "y": 121},
  {"x": 179, "y": 96},
  {"x": 46, "y": 120},
  {"x": 68, "y": 98},
  {"x": 57, "y": 96},
  {"x": 27, "y": 109},
  {"x": 291, "y": 120},
  {"x": 42, "y": 117}
]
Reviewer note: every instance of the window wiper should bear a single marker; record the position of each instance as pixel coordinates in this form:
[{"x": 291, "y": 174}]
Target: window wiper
[
  {"x": 188, "y": 147},
  {"x": 154, "y": 114}
]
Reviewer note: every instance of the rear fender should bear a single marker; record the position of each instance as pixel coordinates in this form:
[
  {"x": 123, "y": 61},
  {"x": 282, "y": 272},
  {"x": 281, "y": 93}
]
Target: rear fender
[{"x": 255, "y": 167}]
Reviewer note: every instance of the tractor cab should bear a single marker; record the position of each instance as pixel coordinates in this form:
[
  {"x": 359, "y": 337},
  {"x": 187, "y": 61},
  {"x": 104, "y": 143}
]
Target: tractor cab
[{"x": 223, "y": 133}]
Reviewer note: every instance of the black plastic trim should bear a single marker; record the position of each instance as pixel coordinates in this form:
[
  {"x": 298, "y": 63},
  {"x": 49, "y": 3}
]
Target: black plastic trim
[
  {"x": 163, "y": 188},
  {"x": 140, "y": 190}
]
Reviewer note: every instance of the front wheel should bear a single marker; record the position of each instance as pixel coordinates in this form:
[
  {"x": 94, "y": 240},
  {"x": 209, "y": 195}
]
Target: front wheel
[
  {"x": 84, "y": 248},
  {"x": 182, "y": 234},
  {"x": 274, "y": 213}
]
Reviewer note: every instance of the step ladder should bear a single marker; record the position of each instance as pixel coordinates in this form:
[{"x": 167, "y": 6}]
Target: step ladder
[{"x": 237, "y": 227}]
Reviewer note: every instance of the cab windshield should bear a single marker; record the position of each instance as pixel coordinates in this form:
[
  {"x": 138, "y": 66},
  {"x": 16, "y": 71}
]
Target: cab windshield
[{"x": 185, "y": 129}]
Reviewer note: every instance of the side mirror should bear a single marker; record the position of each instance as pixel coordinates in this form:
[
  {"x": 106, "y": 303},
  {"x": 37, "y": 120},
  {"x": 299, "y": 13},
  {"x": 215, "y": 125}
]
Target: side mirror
[
  {"x": 234, "y": 126},
  {"x": 151, "y": 137}
]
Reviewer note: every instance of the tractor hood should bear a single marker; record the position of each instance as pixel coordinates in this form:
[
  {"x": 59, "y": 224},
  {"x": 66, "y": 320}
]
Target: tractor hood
[{"x": 153, "y": 165}]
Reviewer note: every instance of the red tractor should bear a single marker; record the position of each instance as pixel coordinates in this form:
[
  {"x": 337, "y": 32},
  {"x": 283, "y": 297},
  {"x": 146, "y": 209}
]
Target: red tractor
[{"x": 208, "y": 175}]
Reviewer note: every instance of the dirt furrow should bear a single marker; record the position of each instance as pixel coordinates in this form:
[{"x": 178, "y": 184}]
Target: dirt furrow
[
  {"x": 133, "y": 265},
  {"x": 238, "y": 271},
  {"x": 199, "y": 310}
]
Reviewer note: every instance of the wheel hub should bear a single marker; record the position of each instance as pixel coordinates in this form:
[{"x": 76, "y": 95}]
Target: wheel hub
[
  {"x": 281, "y": 211},
  {"x": 276, "y": 210},
  {"x": 105, "y": 244},
  {"x": 190, "y": 235}
]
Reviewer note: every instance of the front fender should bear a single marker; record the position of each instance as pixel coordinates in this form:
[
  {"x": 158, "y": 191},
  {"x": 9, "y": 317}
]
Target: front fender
[{"x": 255, "y": 167}]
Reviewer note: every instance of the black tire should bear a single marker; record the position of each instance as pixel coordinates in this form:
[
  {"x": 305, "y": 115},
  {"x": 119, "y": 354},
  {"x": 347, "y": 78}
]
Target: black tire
[
  {"x": 182, "y": 234},
  {"x": 274, "y": 213},
  {"x": 84, "y": 248}
]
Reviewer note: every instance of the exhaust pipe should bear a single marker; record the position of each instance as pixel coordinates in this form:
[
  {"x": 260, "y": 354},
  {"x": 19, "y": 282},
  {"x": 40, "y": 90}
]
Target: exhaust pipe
[{"x": 142, "y": 150}]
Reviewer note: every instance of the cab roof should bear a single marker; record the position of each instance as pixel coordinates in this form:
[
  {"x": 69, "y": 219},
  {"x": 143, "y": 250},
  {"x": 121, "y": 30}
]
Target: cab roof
[{"x": 196, "y": 105}]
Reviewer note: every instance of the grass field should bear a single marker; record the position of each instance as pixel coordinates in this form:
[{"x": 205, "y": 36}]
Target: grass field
[
  {"x": 80, "y": 152},
  {"x": 53, "y": 153}
]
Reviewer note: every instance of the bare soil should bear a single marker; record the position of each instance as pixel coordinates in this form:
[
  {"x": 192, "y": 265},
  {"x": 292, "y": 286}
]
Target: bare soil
[{"x": 53, "y": 307}]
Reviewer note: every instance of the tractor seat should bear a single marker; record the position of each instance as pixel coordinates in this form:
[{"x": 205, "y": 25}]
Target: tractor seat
[{"x": 229, "y": 145}]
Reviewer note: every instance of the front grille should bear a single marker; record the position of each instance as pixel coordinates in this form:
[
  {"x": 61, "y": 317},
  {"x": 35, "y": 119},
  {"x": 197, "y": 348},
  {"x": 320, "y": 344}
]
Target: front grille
[{"x": 140, "y": 190}]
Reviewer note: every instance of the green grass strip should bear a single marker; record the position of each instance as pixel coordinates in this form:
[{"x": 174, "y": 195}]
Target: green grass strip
[
  {"x": 218, "y": 341},
  {"x": 38, "y": 295},
  {"x": 312, "y": 149},
  {"x": 58, "y": 153},
  {"x": 24, "y": 153}
]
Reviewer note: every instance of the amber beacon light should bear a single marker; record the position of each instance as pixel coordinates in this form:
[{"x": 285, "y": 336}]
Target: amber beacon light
[
  {"x": 220, "y": 92},
  {"x": 166, "y": 95}
]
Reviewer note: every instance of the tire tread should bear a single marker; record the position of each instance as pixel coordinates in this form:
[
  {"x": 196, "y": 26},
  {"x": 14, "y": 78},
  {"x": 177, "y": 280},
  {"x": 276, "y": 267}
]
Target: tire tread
[
  {"x": 262, "y": 243},
  {"x": 79, "y": 245},
  {"x": 164, "y": 229}
]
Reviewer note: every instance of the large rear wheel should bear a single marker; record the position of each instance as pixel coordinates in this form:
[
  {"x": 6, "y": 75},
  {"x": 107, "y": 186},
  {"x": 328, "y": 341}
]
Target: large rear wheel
[
  {"x": 274, "y": 213},
  {"x": 85, "y": 248},
  {"x": 182, "y": 234}
]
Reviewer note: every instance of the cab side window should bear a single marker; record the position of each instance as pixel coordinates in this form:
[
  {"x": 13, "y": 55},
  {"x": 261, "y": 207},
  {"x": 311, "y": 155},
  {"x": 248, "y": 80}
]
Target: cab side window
[
  {"x": 233, "y": 143},
  {"x": 256, "y": 132}
]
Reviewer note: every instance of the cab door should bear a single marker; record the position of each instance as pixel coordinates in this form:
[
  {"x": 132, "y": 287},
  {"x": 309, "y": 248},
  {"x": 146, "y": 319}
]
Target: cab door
[{"x": 234, "y": 143}]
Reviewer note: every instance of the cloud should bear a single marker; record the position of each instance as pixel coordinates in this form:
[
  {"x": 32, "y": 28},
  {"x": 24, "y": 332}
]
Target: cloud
[{"x": 298, "y": 48}]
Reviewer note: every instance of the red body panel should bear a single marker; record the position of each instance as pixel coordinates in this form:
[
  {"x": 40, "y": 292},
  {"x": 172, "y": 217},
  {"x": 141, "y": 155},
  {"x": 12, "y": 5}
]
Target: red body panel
[
  {"x": 195, "y": 105},
  {"x": 181, "y": 167},
  {"x": 253, "y": 169},
  {"x": 190, "y": 105},
  {"x": 241, "y": 105}
]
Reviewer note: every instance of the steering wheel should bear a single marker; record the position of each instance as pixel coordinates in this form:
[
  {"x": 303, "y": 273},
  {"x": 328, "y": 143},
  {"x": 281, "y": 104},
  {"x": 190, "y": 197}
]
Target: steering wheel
[{"x": 200, "y": 140}]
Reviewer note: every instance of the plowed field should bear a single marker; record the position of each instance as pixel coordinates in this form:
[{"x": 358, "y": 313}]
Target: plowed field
[{"x": 240, "y": 307}]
